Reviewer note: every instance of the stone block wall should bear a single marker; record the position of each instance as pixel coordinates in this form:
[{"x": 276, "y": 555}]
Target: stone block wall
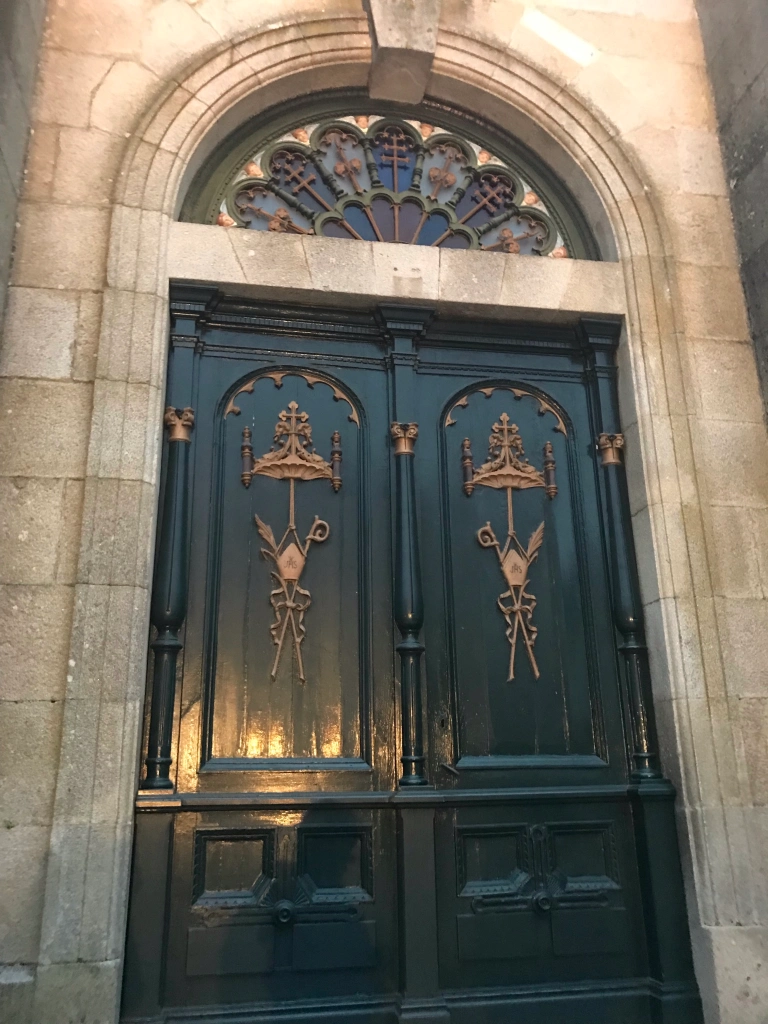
[
  {"x": 736, "y": 42},
  {"x": 29, "y": 715},
  {"x": 131, "y": 94},
  {"x": 21, "y": 26}
]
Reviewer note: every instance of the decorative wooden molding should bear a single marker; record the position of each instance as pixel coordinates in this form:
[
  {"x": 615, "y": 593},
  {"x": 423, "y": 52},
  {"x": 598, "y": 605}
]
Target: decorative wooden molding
[{"x": 168, "y": 608}]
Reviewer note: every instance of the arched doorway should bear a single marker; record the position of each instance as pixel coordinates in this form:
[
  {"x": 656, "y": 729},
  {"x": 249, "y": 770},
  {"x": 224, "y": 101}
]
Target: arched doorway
[{"x": 407, "y": 768}]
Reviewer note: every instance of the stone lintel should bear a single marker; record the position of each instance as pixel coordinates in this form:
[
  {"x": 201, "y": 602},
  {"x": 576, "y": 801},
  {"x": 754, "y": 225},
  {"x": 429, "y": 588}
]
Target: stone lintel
[{"x": 403, "y": 38}]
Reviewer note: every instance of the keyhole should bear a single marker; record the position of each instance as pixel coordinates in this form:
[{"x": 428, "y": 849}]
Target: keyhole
[{"x": 443, "y": 723}]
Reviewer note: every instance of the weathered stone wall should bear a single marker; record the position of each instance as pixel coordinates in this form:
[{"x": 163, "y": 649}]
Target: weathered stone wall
[
  {"x": 27, "y": 714},
  {"x": 132, "y": 94},
  {"x": 21, "y": 26},
  {"x": 736, "y": 42}
]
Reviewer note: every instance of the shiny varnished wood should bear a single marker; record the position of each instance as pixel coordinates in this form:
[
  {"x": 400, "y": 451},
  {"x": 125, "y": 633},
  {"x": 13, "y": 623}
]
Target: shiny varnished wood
[{"x": 377, "y": 819}]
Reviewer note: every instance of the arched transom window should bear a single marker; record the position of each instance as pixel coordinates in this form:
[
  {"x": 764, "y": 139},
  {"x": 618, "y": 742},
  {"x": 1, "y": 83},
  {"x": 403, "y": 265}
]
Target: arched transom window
[{"x": 377, "y": 176}]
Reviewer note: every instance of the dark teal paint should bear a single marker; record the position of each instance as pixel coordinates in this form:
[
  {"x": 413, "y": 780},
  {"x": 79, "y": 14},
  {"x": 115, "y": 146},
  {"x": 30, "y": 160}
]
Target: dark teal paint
[{"x": 533, "y": 873}]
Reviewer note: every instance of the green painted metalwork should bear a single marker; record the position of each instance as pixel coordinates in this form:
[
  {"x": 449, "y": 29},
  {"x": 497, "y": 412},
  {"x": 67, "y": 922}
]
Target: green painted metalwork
[{"x": 430, "y": 177}]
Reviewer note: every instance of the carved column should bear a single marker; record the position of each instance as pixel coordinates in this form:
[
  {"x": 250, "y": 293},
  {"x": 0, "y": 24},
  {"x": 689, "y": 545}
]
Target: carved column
[
  {"x": 169, "y": 597},
  {"x": 652, "y": 796},
  {"x": 409, "y": 604},
  {"x": 627, "y": 609}
]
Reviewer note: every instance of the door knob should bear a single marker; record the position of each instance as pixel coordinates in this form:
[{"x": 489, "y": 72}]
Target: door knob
[
  {"x": 284, "y": 912},
  {"x": 543, "y": 901}
]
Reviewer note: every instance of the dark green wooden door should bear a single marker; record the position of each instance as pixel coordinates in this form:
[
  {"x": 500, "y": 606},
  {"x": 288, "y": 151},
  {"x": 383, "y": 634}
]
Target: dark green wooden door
[{"x": 400, "y": 754}]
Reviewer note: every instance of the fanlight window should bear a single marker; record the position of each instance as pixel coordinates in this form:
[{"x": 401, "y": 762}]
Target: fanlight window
[{"x": 386, "y": 178}]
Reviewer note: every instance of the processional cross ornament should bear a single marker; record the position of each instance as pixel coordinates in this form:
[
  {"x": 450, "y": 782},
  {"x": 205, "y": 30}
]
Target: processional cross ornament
[
  {"x": 506, "y": 468},
  {"x": 291, "y": 458}
]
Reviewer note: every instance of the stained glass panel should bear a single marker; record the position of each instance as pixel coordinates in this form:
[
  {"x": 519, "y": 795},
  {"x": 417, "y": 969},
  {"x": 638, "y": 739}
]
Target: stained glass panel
[{"x": 390, "y": 179}]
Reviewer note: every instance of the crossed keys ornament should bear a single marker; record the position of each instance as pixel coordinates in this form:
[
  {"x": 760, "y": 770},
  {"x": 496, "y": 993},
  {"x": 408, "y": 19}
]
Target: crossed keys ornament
[
  {"x": 506, "y": 468},
  {"x": 291, "y": 458}
]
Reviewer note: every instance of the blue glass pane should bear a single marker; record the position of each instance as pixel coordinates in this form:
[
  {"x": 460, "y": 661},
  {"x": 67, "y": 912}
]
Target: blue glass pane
[
  {"x": 333, "y": 229},
  {"x": 410, "y": 219},
  {"x": 395, "y": 157},
  {"x": 264, "y": 211},
  {"x": 455, "y": 242},
  {"x": 434, "y": 226},
  {"x": 384, "y": 216},
  {"x": 358, "y": 219}
]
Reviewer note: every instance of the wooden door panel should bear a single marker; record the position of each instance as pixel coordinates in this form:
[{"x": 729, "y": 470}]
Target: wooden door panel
[
  {"x": 346, "y": 838},
  {"x": 274, "y": 895},
  {"x": 536, "y": 893},
  {"x": 246, "y": 709},
  {"x": 304, "y": 701},
  {"x": 560, "y": 712},
  {"x": 548, "y": 706}
]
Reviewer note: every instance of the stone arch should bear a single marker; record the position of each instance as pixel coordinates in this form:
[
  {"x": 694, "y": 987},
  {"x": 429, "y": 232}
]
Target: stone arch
[{"x": 189, "y": 116}]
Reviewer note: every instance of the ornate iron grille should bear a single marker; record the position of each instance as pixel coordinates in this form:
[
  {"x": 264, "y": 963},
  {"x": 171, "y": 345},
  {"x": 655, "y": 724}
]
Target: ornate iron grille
[{"x": 389, "y": 179}]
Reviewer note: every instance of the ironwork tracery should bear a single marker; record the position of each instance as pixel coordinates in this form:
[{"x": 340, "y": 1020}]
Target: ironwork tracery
[{"x": 389, "y": 179}]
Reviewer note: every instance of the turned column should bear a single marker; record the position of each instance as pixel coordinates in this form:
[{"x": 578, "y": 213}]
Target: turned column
[
  {"x": 409, "y": 604},
  {"x": 169, "y": 597}
]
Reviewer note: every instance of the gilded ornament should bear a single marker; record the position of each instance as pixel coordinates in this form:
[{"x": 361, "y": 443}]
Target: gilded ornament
[
  {"x": 179, "y": 422},
  {"x": 610, "y": 447},
  {"x": 507, "y": 469},
  {"x": 225, "y": 221},
  {"x": 291, "y": 458},
  {"x": 404, "y": 437}
]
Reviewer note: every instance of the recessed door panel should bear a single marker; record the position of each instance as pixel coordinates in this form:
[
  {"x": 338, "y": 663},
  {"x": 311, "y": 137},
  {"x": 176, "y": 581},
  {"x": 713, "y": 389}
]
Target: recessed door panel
[
  {"x": 307, "y": 893},
  {"x": 290, "y": 572},
  {"x": 537, "y": 893},
  {"x": 521, "y": 607}
]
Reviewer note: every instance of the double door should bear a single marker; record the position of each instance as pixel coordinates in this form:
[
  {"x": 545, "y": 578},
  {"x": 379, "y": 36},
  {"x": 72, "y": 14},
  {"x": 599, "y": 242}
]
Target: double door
[{"x": 399, "y": 747}]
